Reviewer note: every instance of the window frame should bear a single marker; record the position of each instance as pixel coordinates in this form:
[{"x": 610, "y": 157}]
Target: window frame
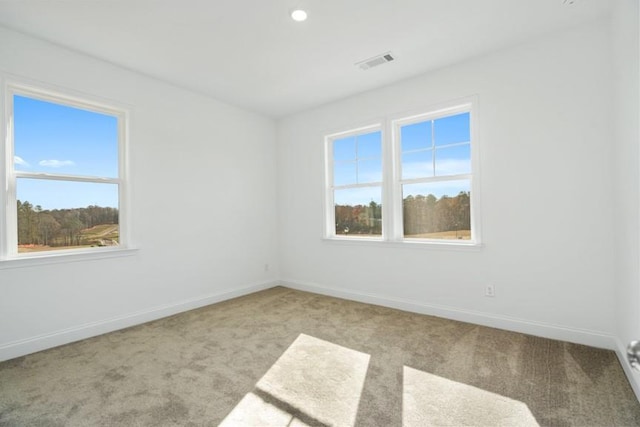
[
  {"x": 330, "y": 188},
  {"x": 392, "y": 202},
  {"x": 9, "y": 254}
]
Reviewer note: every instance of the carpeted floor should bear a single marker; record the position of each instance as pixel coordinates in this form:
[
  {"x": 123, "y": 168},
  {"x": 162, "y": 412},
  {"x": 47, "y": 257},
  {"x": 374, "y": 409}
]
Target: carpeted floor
[{"x": 296, "y": 358}]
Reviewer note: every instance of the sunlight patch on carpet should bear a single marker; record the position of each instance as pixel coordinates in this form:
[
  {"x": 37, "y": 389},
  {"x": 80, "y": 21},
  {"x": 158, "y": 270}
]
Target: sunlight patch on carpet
[
  {"x": 313, "y": 383},
  {"x": 254, "y": 411},
  {"x": 428, "y": 399}
]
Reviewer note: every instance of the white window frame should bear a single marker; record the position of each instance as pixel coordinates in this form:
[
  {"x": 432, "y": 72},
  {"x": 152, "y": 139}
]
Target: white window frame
[
  {"x": 9, "y": 175},
  {"x": 392, "y": 202},
  {"x": 330, "y": 217}
]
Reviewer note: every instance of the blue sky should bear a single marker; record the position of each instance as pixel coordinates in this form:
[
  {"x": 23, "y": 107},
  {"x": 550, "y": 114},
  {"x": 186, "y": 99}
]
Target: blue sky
[
  {"x": 358, "y": 159},
  {"x": 443, "y": 142},
  {"x": 57, "y": 139}
]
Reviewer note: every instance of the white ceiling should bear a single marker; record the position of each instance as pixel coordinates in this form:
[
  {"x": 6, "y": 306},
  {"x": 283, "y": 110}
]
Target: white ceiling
[{"x": 251, "y": 54}]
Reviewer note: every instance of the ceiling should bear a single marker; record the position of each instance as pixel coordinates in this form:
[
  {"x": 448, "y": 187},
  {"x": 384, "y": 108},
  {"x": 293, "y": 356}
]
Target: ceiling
[{"x": 251, "y": 54}]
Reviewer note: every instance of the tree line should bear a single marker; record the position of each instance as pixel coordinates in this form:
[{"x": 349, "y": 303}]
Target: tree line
[
  {"x": 60, "y": 227},
  {"x": 427, "y": 214},
  {"x": 421, "y": 215}
]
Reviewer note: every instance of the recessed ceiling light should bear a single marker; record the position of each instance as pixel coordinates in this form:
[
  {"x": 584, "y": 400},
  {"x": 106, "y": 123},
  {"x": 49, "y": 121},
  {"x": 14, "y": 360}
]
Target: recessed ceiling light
[{"x": 299, "y": 15}]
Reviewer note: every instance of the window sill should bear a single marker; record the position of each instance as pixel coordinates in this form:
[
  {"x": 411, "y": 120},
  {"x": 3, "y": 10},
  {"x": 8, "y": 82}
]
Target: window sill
[
  {"x": 405, "y": 244},
  {"x": 33, "y": 260}
]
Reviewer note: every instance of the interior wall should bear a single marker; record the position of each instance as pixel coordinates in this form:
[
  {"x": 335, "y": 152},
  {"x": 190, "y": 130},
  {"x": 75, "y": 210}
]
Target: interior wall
[
  {"x": 546, "y": 179},
  {"x": 626, "y": 54},
  {"x": 204, "y": 210},
  {"x": 547, "y": 207}
]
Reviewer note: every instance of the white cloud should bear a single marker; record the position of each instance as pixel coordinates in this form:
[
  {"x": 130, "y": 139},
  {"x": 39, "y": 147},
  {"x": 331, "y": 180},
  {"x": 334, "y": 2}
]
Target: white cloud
[
  {"x": 20, "y": 161},
  {"x": 56, "y": 163}
]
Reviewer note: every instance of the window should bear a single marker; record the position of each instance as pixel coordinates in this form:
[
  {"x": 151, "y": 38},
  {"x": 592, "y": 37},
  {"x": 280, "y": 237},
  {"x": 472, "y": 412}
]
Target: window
[
  {"x": 435, "y": 166},
  {"x": 427, "y": 191},
  {"x": 356, "y": 182},
  {"x": 64, "y": 175}
]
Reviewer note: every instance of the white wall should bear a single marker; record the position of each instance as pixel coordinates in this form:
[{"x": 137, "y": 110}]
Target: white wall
[
  {"x": 546, "y": 176},
  {"x": 204, "y": 211},
  {"x": 626, "y": 183},
  {"x": 549, "y": 163}
]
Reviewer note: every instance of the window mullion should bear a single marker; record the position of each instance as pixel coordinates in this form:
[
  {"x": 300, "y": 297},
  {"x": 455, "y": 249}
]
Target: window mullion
[
  {"x": 60, "y": 177},
  {"x": 394, "y": 188},
  {"x": 436, "y": 179},
  {"x": 363, "y": 185}
]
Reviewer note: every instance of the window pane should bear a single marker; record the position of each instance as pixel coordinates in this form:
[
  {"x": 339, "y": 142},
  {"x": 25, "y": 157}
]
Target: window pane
[
  {"x": 452, "y": 129},
  {"x": 54, "y": 138},
  {"x": 453, "y": 160},
  {"x": 440, "y": 210},
  {"x": 370, "y": 145},
  {"x": 358, "y": 211},
  {"x": 416, "y": 136},
  {"x": 344, "y": 173},
  {"x": 55, "y": 215},
  {"x": 344, "y": 149},
  {"x": 369, "y": 171},
  {"x": 418, "y": 164}
]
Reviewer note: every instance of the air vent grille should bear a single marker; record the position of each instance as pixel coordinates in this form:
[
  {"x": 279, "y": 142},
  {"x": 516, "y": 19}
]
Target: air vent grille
[{"x": 375, "y": 61}]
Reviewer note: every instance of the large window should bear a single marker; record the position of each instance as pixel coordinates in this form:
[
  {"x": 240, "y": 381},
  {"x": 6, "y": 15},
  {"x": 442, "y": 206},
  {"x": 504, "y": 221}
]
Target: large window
[
  {"x": 424, "y": 193},
  {"x": 64, "y": 163}
]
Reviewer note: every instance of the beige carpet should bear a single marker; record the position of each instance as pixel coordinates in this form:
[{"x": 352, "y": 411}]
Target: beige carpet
[
  {"x": 314, "y": 382},
  {"x": 290, "y": 358}
]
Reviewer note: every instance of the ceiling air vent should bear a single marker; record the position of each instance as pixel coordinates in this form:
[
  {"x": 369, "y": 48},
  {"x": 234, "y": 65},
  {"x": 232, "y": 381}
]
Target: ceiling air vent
[{"x": 375, "y": 61}]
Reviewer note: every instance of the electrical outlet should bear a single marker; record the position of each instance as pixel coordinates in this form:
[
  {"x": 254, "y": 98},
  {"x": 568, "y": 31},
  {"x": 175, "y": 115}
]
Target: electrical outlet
[
  {"x": 266, "y": 267},
  {"x": 490, "y": 291}
]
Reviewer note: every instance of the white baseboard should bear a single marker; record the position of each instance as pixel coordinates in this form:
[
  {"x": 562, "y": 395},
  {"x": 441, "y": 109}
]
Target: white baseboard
[
  {"x": 632, "y": 375},
  {"x": 581, "y": 336},
  {"x": 558, "y": 332},
  {"x": 42, "y": 342}
]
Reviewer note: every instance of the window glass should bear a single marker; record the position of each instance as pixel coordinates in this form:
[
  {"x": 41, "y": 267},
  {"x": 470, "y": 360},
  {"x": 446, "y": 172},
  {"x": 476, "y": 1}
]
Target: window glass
[
  {"x": 55, "y": 215},
  {"x": 417, "y": 164},
  {"x": 345, "y": 173},
  {"x": 437, "y": 210},
  {"x": 344, "y": 149},
  {"x": 416, "y": 136},
  {"x": 452, "y": 129},
  {"x": 369, "y": 171},
  {"x": 369, "y": 145},
  {"x": 55, "y": 138},
  {"x": 358, "y": 211},
  {"x": 453, "y": 160}
]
